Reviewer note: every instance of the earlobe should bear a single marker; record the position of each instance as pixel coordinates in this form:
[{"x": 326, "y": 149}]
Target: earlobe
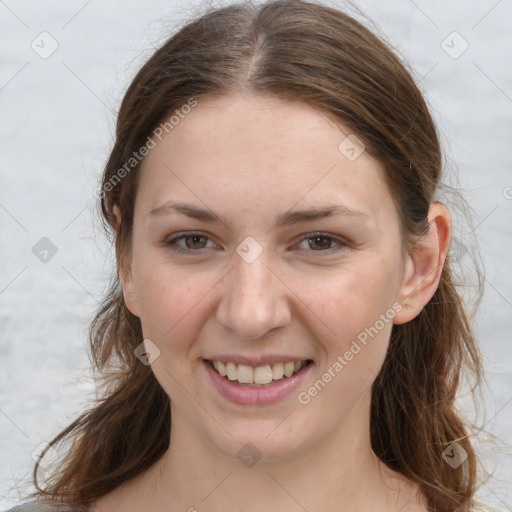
[
  {"x": 117, "y": 216},
  {"x": 424, "y": 265},
  {"x": 126, "y": 275}
]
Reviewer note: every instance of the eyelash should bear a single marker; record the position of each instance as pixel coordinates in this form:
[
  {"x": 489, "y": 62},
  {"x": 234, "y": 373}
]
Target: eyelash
[{"x": 172, "y": 242}]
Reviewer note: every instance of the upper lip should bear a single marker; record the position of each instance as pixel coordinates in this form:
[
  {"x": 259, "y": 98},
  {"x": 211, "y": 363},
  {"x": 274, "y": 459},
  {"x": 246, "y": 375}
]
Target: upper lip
[{"x": 255, "y": 361}]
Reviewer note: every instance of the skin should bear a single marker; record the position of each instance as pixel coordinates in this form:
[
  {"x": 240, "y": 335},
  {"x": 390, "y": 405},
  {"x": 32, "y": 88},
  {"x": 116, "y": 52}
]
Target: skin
[{"x": 249, "y": 159}]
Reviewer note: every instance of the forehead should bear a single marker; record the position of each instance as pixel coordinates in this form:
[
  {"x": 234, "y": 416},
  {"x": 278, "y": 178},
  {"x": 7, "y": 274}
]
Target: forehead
[{"x": 270, "y": 150}]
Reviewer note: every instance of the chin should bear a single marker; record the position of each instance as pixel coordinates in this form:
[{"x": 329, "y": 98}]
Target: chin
[{"x": 268, "y": 440}]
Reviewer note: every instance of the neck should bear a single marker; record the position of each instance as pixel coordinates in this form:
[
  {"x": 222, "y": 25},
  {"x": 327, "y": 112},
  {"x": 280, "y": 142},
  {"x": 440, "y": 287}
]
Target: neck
[{"x": 341, "y": 473}]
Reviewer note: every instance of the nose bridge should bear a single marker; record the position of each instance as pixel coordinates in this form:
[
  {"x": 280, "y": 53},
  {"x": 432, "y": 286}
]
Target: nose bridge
[{"x": 252, "y": 301}]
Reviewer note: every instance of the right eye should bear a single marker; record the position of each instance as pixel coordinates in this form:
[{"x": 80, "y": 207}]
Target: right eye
[{"x": 193, "y": 242}]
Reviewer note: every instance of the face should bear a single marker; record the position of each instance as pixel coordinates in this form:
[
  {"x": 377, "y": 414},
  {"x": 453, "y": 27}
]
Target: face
[{"x": 259, "y": 242}]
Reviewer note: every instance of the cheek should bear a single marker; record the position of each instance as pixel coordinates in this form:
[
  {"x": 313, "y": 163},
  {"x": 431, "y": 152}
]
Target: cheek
[
  {"x": 354, "y": 307},
  {"x": 171, "y": 303},
  {"x": 358, "y": 307}
]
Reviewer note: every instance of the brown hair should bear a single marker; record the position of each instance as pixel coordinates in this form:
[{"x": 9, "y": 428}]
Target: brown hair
[{"x": 297, "y": 51}]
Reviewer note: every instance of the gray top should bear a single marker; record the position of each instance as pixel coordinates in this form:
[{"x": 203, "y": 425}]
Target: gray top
[{"x": 39, "y": 506}]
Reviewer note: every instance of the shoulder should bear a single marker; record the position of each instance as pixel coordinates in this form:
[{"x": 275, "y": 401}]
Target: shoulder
[{"x": 41, "y": 506}]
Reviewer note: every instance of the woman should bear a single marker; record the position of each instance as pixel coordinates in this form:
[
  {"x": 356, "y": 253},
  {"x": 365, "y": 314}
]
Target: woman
[{"x": 283, "y": 332}]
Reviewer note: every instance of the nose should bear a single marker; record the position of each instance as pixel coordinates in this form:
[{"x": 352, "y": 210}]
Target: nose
[{"x": 254, "y": 299}]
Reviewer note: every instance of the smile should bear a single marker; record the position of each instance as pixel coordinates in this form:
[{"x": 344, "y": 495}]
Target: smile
[
  {"x": 264, "y": 384},
  {"x": 259, "y": 375}
]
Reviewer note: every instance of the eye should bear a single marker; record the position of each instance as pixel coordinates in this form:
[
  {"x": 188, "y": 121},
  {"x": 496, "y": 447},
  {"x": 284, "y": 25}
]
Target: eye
[
  {"x": 187, "y": 243},
  {"x": 321, "y": 242},
  {"x": 193, "y": 242}
]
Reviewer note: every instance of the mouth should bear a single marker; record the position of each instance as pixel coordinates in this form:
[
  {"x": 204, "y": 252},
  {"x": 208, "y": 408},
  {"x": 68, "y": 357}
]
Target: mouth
[
  {"x": 258, "y": 376},
  {"x": 271, "y": 382},
  {"x": 265, "y": 384}
]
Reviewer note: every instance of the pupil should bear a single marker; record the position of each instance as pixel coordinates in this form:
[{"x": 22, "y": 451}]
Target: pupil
[
  {"x": 318, "y": 241},
  {"x": 196, "y": 239}
]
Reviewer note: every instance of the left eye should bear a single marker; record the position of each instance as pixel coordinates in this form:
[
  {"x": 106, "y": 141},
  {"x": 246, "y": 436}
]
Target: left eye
[{"x": 322, "y": 243}]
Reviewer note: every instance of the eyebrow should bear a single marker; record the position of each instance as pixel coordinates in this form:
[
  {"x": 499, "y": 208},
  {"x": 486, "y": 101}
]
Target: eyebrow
[{"x": 285, "y": 219}]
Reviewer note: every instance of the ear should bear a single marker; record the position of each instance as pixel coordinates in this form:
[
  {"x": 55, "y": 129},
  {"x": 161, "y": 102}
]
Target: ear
[
  {"x": 424, "y": 265},
  {"x": 125, "y": 274}
]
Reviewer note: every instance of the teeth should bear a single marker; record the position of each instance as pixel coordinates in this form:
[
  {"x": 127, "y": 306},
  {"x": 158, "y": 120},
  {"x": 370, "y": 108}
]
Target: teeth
[
  {"x": 262, "y": 374},
  {"x": 246, "y": 374},
  {"x": 231, "y": 371},
  {"x": 221, "y": 368},
  {"x": 277, "y": 371},
  {"x": 289, "y": 369}
]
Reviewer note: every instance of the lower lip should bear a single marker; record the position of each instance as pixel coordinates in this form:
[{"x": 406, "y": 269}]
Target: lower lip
[{"x": 243, "y": 395}]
